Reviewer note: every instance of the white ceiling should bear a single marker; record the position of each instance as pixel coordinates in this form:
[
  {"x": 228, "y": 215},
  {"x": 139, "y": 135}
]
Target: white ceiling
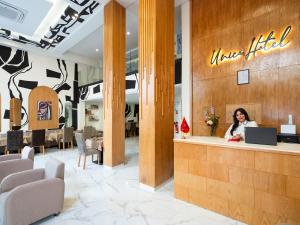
[
  {"x": 83, "y": 41},
  {"x": 31, "y": 21},
  {"x": 87, "y": 46}
]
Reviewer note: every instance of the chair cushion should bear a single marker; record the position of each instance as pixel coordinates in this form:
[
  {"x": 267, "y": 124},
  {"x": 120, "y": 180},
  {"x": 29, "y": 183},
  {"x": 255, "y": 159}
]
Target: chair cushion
[{"x": 54, "y": 169}]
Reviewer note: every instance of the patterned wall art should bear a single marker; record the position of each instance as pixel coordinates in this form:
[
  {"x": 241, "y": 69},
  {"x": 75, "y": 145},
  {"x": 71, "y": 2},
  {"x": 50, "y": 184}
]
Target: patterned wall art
[
  {"x": 21, "y": 72},
  {"x": 74, "y": 15},
  {"x": 95, "y": 90},
  {"x": 44, "y": 110}
]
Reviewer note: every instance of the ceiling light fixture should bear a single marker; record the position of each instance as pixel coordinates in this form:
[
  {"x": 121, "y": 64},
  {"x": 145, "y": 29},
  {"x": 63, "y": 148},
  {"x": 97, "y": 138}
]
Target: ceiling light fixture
[
  {"x": 97, "y": 50},
  {"x": 75, "y": 16},
  {"x": 128, "y": 33}
]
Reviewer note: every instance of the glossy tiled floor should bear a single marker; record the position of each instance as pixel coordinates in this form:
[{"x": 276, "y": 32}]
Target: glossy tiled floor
[{"x": 101, "y": 196}]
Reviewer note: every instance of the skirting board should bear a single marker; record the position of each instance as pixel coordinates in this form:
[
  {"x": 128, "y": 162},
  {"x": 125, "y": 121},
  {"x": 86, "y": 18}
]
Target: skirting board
[
  {"x": 114, "y": 167},
  {"x": 153, "y": 189}
]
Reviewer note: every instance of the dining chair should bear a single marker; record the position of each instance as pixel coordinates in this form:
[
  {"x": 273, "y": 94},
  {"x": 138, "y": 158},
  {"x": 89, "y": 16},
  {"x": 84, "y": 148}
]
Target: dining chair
[
  {"x": 3, "y": 142},
  {"x": 14, "y": 141},
  {"x": 83, "y": 150},
  {"x": 89, "y": 132},
  {"x": 127, "y": 129},
  {"x": 38, "y": 139},
  {"x": 67, "y": 137}
]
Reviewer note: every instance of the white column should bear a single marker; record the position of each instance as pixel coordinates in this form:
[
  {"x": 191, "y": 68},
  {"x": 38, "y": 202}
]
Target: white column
[
  {"x": 81, "y": 115},
  {"x": 186, "y": 86}
]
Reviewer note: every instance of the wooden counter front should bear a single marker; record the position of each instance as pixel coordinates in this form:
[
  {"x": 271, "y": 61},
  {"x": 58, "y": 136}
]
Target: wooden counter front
[{"x": 254, "y": 184}]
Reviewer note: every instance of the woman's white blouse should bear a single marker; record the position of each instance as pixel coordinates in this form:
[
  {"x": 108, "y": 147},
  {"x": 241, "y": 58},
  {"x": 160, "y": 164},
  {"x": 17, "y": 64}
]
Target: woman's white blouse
[{"x": 240, "y": 130}]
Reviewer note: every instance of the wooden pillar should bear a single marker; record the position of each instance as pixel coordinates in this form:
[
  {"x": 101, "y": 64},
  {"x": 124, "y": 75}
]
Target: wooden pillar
[
  {"x": 156, "y": 90},
  {"x": 114, "y": 84}
]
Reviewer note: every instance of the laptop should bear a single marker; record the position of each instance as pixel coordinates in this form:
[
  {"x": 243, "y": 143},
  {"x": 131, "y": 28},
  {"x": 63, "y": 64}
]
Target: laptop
[{"x": 261, "y": 135}]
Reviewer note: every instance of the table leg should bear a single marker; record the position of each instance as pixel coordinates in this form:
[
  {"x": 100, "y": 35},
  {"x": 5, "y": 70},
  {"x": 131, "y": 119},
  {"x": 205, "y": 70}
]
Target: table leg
[
  {"x": 79, "y": 160},
  {"x": 84, "y": 162}
]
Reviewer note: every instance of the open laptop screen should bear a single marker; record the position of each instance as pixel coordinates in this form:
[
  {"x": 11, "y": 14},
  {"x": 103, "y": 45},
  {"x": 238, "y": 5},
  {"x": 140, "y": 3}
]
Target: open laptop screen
[{"x": 261, "y": 135}]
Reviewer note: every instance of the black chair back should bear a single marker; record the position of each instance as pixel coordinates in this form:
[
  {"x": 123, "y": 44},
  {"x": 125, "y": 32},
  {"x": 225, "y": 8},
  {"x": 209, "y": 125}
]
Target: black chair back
[
  {"x": 14, "y": 140},
  {"x": 38, "y": 138}
]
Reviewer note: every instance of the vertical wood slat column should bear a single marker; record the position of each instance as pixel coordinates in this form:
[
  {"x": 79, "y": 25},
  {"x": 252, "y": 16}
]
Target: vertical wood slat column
[
  {"x": 156, "y": 90},
  {"x": 114, "y": 83}
]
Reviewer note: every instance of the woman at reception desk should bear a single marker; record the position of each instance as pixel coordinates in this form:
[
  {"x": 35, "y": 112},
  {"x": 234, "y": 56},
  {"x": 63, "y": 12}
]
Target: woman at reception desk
[
  {"x": 236, "y": 131},
  {"x": 255, "y": 184}
]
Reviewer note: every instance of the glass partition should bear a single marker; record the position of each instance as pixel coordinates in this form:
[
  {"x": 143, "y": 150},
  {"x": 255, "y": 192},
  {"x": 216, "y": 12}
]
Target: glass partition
[{"x": 89, "y": 74}]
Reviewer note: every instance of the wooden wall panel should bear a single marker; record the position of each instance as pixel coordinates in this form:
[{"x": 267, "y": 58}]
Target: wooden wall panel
[
  {"x": 253, "y": 109},
  {"x": 228, "y": 181},
  {"x": 114, "y": 84},
  {"x": 156, "y": 90},
  {"x": 15, "y": 112},
  {"x": 274, "y": 76},
  {"x": 42, "y": 93}
]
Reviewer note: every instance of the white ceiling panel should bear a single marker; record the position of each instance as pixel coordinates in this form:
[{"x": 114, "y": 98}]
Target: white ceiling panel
[{"x": 34, "y": 12}]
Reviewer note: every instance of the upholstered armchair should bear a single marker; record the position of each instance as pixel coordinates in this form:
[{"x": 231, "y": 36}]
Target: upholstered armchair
[
  {"x": 14, "y": 141},
  {"x": 16, "y": 162},
  {"x": 31, "y": 195},
  {"x": 67, "y": 137},
  {"x": 83, "y": 150}
]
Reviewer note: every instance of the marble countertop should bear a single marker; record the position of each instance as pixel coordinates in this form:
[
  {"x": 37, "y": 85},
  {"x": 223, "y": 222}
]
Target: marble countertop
[{"x": 284, "y": 148}]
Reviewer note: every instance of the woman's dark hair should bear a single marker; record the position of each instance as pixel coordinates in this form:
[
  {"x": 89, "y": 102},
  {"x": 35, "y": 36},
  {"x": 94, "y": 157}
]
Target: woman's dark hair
[{"x": 235, "y": 120}]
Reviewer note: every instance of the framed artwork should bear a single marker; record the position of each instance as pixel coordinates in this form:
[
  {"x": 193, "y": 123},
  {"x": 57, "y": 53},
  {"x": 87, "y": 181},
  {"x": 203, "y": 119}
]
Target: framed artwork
[
  {"x": 44, "y": 110},
  {"x": 243, "y": 77}
]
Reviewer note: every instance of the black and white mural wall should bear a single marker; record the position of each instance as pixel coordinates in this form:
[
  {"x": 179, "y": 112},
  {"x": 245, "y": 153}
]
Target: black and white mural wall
[
  {"x": 94, "y": 93},
  {"x": 21, "y": 71}
]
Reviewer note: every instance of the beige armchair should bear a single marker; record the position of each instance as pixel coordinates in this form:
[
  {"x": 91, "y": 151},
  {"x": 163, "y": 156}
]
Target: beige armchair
[
  {"x": 31, "y": 195},
  {"x": 16, "y": 162}
]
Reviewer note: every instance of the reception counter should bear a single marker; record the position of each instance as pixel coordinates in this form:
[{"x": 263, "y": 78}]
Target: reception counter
[{"x": 255, "y": 184}]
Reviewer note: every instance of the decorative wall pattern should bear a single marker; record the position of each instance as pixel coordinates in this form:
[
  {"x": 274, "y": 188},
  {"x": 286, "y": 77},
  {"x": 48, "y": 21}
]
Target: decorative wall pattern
[
  {"x": 95, "y": 91},
  {"x": 20, "y": 73}
]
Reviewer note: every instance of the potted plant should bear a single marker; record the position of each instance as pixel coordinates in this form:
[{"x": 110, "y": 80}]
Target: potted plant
[{"x": 211, "y": 120}]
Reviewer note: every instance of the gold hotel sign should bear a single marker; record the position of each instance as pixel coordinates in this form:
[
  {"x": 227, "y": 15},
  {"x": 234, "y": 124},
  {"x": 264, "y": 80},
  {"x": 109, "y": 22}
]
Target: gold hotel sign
[{"x": 264, "y": 43}]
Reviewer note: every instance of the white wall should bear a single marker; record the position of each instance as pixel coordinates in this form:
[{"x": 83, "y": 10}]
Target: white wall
[
  {"x": 98, "y": 114},
  {"x": 12, "y": 73},
  {"x": 186, "y": 63},
  {"x": 81, "y": 115}
]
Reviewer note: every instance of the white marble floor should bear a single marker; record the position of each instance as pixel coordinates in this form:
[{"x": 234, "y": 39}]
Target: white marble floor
[{"x": 104, "y": 196}]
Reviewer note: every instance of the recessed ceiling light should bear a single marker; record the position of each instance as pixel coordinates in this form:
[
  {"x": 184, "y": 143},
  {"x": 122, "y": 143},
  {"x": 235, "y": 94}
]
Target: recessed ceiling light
[
  {"x": 75, "y": 16},
  {"x": 97, "y": 50},
  {"x": 128, "y": 33}
]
